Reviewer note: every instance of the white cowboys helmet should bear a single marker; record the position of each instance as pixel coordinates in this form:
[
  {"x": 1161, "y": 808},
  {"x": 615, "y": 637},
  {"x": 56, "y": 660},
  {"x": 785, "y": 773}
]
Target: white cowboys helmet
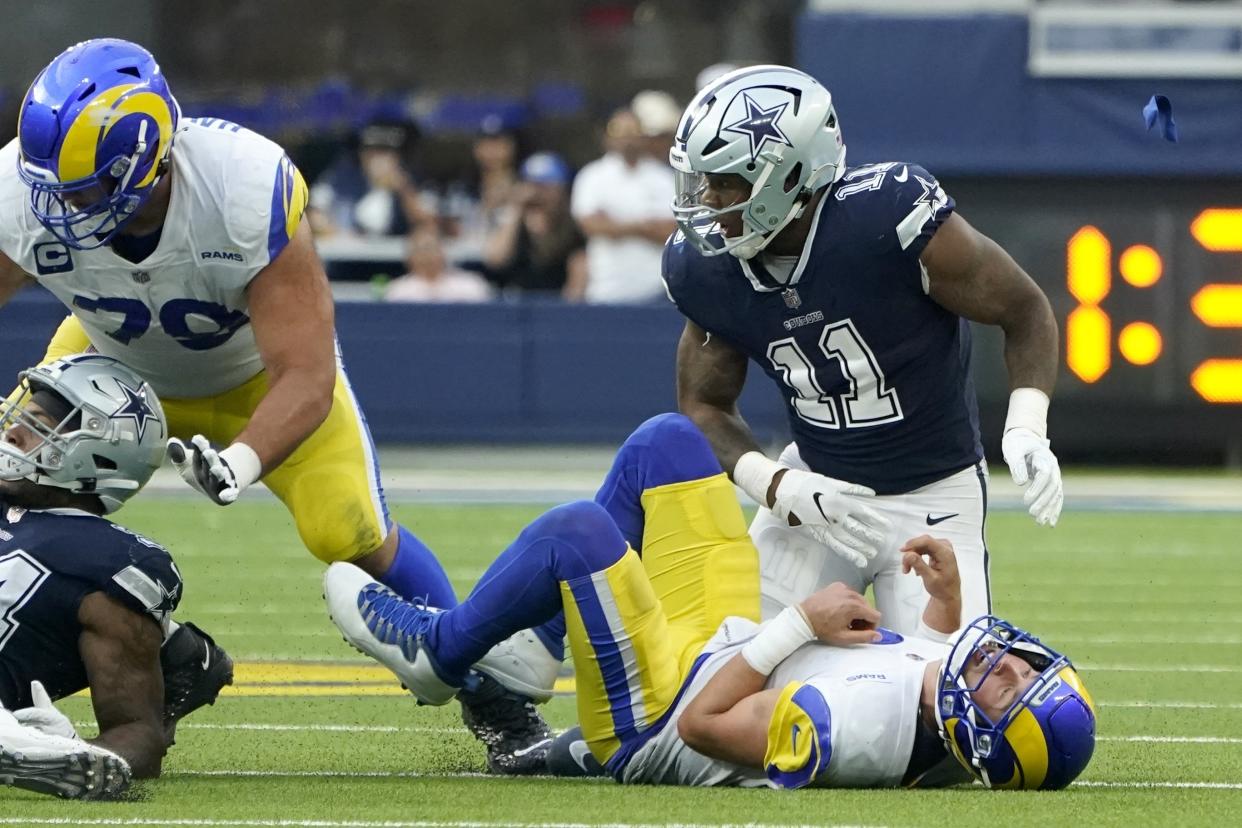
[
  {"x": 109, "y": 435},
  {"x": 772, "y": 125}
]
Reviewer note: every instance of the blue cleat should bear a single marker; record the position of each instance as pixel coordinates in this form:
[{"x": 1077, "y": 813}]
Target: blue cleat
[{"x": 381, "y": 624}]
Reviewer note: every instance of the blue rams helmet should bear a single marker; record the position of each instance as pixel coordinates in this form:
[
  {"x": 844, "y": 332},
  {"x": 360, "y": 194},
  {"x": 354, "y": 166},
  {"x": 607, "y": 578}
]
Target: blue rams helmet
[
  {"x": 1046, "y": 735},
  {"x": 95, "y": 130}
]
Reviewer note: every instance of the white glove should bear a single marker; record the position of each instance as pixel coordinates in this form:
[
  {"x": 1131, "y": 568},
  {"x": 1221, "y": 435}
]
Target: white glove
[
  {"x": 829, "y": 508},
  {"x": 1033, "y": 465},
  {"x": 43, "y": 716},
  {"x": 221, "y": 475}
]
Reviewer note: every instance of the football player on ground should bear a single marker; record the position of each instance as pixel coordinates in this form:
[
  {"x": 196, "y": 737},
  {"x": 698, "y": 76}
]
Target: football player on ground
[
  {"x": 180, "y": 247},
  {"x": 84, "y": 602},
  {"x": 677, "y": 684},
  {"x": 853, "y": 288}
]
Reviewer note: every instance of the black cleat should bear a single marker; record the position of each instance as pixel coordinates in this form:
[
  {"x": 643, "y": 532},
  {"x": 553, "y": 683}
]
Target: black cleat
[
  {"x": 516, "y": 736},
  {"x": 195, "y": 669},
  {"x": 570, "y": 756}
]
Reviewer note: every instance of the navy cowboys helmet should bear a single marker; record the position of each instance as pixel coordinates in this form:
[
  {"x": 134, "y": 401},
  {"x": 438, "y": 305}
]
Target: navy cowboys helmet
[
  {"x": 107, "y": 435},
  {"x": 772, "y": 125}
]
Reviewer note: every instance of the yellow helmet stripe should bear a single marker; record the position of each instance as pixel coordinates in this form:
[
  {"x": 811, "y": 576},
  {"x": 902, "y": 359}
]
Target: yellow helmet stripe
[
  {"x": 78, "y": 151},
  {"x": 1030, "y": 749},
  {"x": 1070, "y": 676}
]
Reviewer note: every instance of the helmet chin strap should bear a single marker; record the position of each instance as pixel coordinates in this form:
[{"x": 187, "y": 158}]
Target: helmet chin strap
[
  {"x": 753, "y": 243},
  {"x": 15, "y": 466}
]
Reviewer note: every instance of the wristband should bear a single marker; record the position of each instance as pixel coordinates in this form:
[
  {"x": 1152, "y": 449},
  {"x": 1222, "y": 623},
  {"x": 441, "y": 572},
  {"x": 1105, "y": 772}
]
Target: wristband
[
  {"x": 924, "y": 631},
  {"x": 1028, "y": 408},
  {"x": 777, "y": 640},
  {"x": 753, "y": 474},
  {"x": 245, "y": 464}
]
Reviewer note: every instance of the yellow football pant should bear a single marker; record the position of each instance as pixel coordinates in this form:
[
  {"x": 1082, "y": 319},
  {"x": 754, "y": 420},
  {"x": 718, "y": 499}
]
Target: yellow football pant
[
  {"x": 330, "y": 484},
  {"x": 636, "y": 628}
]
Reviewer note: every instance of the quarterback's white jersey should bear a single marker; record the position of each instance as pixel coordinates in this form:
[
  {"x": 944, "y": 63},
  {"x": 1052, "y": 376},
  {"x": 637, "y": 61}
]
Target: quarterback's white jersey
[
  {"x": 179, "y": 317},
  {"x": 872, "y": 703}
]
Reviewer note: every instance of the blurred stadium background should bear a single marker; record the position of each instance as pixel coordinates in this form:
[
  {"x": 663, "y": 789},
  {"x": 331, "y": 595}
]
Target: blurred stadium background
[{"x": 1030, "y": 115}]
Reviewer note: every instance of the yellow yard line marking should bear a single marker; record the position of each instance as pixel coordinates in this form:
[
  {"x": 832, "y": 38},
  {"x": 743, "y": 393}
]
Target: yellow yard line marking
[
  {"x": 317, "y": 678},
  {"x": 325, "y": 678}
]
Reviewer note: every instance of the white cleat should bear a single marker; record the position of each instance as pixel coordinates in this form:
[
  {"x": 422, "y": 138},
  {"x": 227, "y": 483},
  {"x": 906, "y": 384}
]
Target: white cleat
[
  {"x": 379, "y": 623},
  {"x": 522, "y": 665},
  {"x": 68, "y": 768}
]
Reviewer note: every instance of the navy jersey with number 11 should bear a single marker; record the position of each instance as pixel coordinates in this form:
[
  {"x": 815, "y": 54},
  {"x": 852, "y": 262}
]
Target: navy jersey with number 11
[{"x": 875, "y": 374}]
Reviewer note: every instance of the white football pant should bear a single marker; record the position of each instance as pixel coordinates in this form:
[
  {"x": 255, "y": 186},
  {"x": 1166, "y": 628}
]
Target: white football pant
[{"x": 793, "y": 564}]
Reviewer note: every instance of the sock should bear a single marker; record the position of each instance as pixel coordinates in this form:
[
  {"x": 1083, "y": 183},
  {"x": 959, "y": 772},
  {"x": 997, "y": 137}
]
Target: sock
[
  {"x": 522, "y": 587},
  {"x": 415, "y": 573},
  {"x": 667, "y": 448}
]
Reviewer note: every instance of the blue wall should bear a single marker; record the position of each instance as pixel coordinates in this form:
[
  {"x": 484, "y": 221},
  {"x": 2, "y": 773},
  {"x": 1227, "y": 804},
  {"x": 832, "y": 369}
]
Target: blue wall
[
  {"x": 477, "y": 373},
  {"x": 953, "y": 93}
]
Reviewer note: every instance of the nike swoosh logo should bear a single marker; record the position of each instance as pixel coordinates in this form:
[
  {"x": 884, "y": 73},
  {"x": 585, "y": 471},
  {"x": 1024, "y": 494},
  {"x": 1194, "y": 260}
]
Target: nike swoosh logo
[
  {"x": 932, "y": 521},
  {"x": 903, "y": 175},
  {"x": 793, "y": 746},
  {"x": 816, "y": 498},
  {"x": 535, "y": 746},
  {"x": 579, "y": 751},
  {"x": 206, "y": 656}
]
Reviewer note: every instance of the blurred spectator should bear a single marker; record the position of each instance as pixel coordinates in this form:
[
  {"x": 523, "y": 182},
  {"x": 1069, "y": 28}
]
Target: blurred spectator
[
  {"x": 370, "y": 191},
  {"x": 431, "y": 279},
  {"x": 622, "y": 202},
  {"x": 538, "y": 247},
  {"x": 476, "y": 210},
  {"x": 658, "y": 115}
]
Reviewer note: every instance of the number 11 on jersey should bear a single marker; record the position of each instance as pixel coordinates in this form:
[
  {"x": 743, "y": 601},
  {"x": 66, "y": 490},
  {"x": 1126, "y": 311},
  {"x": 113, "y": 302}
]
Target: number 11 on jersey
[{"x": 868, "y": 402}]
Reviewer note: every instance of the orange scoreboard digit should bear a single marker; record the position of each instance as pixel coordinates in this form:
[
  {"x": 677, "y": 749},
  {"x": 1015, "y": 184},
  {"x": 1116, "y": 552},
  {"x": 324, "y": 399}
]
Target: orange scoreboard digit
[{"x": 1093, "y": 337}]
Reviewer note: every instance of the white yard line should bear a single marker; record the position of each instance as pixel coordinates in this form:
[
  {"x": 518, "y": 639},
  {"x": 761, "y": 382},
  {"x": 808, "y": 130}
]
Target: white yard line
[
  {"x": 361, "y": 823},
  {"x": 1159, "y": 668},
  {"x": 1173, "y": 705},
  {"x": 1213, "y": 786},
  {"x": 445, "y": 731},
  {"x": 1163, "y": 640},
  {"x": 1175, "y": 740},
  {"x": 1231, "y": 786}
]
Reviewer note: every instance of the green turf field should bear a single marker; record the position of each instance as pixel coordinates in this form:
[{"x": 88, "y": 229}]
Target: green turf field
[{"x": 1149, "y": 606}]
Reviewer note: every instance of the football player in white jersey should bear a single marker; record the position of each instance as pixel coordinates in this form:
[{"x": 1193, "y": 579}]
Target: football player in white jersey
[
  {"x": 678, "y": 684},
  {"x": 180, "y": 247}
]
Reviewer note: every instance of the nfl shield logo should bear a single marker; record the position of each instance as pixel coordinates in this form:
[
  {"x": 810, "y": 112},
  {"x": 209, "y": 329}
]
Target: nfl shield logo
[
  {"x": 792, "y": 300},
  {"x": 141, "y": 276}
]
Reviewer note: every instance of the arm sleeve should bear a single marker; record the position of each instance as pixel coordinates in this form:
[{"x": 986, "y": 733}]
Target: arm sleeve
[
  {"x": 289, "y": 198},
  {"x": 799, "y": 737},
  {"x": 919, "y": 206},
  {"x": 150, "y": 584}
]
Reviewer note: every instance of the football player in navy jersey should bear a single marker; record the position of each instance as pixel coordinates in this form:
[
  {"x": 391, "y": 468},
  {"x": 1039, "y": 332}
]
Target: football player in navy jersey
[
  {"x": 853, "y": 289},
  {"x": 83, "y": 601}
]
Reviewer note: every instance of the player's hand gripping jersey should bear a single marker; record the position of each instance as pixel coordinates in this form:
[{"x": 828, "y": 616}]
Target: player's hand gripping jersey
[
  {"x": 876, "y": 374},
  {"x": 179, "y": 316}
]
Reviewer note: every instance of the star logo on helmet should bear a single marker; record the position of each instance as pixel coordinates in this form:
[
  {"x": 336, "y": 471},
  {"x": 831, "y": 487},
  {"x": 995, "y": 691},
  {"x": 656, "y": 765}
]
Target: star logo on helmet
[
  {"x": 135, "y": 408},
  {"x": 761, "y": 125}
]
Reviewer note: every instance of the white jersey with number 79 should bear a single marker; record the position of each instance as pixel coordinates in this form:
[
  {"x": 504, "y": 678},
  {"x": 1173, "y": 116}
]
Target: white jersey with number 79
[{"x": 179, "y": 316}]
